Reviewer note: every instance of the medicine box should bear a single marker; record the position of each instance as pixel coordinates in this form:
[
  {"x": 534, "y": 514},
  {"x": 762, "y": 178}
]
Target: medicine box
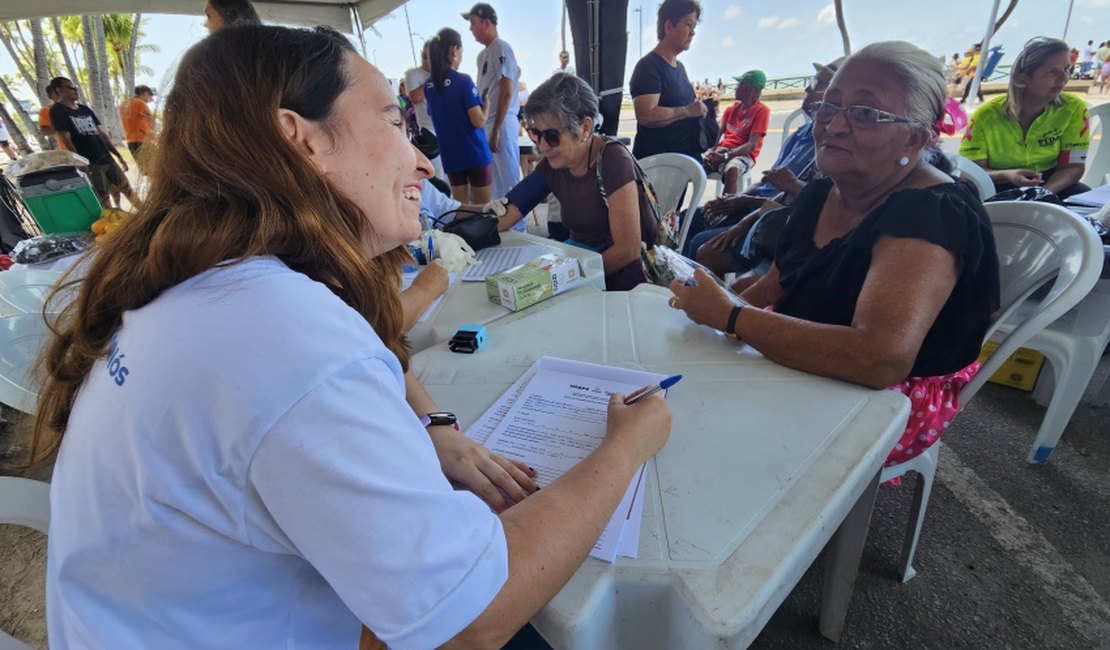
[
  {"x": 1020, "y": 370},
  {"x": 535, "y": 281}
]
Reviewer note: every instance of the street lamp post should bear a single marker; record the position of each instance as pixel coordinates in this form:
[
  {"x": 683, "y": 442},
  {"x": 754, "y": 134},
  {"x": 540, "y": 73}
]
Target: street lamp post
[{"x": 639, "y": 34}]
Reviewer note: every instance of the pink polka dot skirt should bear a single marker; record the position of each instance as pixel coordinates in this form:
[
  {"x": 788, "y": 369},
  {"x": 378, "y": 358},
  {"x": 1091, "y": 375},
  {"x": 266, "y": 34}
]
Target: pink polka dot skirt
[{"x": 934, "y": 402}]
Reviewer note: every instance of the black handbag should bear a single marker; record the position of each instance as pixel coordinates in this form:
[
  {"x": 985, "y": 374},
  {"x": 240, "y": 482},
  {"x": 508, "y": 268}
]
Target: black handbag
[
  {"x": 477, "y": 230},
  {"x": 426, "y": 143}
]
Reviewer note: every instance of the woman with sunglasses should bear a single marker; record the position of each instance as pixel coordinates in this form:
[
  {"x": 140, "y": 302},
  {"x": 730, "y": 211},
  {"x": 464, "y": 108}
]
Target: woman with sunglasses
[
  {"x": 886, "y": 273},
  {"x": 245, "y": 459},
  {"x": 1035, "y": 134},
  {"x": 459, "y": 115},
  {"x": 576, "y": 165}
]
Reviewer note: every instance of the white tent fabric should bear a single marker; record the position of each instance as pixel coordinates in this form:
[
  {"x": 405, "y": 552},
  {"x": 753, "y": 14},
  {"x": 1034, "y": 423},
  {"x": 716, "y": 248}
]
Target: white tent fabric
[{"x": 339, "y": 15}]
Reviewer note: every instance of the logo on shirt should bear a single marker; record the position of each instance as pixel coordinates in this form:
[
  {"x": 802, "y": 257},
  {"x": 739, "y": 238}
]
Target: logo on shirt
[
  {"x": 1049, "y": 139},
  {"x": 116, "y": 370},
  {"x": 84, "y": 124}
]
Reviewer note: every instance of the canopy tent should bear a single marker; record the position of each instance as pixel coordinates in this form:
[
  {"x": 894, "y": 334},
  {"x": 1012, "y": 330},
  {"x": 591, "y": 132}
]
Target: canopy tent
[{"x": 340, "y": 15}]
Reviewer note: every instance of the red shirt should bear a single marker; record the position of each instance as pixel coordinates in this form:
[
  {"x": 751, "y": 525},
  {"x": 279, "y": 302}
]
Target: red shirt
[{"x": 738, "y": 124}]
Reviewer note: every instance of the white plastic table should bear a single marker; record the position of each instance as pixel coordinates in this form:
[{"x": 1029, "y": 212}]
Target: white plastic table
[
  {"x": 466, "y": 302},
  {"x": 763, "y": 465}
]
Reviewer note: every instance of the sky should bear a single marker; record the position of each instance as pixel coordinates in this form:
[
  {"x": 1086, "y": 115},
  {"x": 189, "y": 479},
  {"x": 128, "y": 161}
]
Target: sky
[{"x": 781, "y": 38}]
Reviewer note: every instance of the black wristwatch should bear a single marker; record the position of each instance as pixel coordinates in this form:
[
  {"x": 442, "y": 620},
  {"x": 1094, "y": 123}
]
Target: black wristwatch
[
  {"x": 730, "y": 327},
  {"x": 440, "y": 419}
]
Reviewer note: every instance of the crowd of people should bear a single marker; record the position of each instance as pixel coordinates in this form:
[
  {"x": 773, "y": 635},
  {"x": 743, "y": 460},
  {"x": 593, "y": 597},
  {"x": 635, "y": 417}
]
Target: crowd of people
[{"x": 305, "y": 495}]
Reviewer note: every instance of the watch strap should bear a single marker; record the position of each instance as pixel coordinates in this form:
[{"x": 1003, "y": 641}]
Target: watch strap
[
  {"x": 730, "y": 327},
  {"x": 440, "y": 418}
]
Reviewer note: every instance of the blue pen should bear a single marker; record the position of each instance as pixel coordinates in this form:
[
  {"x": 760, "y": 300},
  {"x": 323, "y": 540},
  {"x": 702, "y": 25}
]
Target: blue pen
[
  {"x": 431, "y": 250},
  {"x": 640, "y": 394}
]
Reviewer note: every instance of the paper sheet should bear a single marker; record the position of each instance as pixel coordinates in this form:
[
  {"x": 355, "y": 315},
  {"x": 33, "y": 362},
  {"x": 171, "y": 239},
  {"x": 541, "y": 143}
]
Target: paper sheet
[
  {"x": 408, "y": 276},
  {"x": 499, "y": 258},
  {"x": 1095, "y": 198},
  {"x": 552, "y": 418}
]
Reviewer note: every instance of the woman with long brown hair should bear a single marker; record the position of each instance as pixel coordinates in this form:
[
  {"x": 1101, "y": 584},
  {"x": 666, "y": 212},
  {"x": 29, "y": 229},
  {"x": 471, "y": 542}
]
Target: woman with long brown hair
[{"x": 246, "y": 460}]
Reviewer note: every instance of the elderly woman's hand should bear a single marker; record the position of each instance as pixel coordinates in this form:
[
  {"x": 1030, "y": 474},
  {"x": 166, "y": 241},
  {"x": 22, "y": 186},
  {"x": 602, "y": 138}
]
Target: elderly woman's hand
[
  {"x": 489, "y": 475},
  {"x": 705, "y": 303}
]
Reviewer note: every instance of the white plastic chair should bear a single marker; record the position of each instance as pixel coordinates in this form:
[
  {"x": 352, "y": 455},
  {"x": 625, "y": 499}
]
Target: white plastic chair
[
  {"x": 788, "y": 124},
  {"x": 1035, "y": 241},
  {"x": 21, "y": 338},
  {"x": 24, "y": 291},
  {"x": 670, "y": 174},
  {"x": 1098, "y": 166},
  {"x": 23, "y": 502},
  {"x": 974, "y": 173},
  {"x": 1072, "y": 346}
]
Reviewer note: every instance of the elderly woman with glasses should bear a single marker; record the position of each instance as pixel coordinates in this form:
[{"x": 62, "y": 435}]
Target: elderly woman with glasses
[
  {"x": 604, "y": 204},
  {"x": 886, "y": 273},
  {"x": 1035, "y": 134}
]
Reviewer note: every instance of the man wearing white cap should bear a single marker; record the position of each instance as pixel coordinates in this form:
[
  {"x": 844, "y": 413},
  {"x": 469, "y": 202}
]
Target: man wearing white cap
[{"x": 497, "y": 81}]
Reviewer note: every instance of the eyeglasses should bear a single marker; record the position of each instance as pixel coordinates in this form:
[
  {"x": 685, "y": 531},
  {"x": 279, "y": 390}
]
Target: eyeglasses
[
  {"x": 862, "y": 117},
  {"x": 1036, "y": 40},
  {"x": 550, "y": 136}
]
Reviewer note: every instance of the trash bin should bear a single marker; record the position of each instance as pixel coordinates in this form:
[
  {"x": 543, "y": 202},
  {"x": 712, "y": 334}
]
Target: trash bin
[{"x": 61, "y": 199}]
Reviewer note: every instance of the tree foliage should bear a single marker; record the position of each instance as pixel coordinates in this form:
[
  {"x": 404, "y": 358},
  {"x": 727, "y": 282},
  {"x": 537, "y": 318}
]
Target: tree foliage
[{"x": 102, "y": 54}]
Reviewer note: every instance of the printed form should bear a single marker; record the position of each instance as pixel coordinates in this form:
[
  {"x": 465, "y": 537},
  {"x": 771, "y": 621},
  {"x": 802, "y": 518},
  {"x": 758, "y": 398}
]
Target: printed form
[{"x": 554, "y": 416}]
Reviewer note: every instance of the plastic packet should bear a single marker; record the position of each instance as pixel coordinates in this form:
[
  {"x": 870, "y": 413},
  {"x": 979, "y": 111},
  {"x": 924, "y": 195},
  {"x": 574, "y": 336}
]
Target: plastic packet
[
  {"x": 44, "y": 248},
  {"x": 36, "y": 162},
  {"x": 682, "y": 268}
]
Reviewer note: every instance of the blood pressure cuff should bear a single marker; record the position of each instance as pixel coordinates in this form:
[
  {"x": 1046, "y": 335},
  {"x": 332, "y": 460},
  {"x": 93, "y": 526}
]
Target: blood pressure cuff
[{"x": 529, "y": 192}]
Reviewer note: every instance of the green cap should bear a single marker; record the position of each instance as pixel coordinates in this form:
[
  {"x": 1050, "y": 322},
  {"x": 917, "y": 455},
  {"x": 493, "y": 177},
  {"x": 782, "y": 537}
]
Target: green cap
[{"x": 754, "y": 78}]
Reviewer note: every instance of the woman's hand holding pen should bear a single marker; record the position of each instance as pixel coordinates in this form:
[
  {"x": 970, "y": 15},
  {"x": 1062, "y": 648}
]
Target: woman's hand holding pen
[
  {"x": 638, "y": 430},
  {"x": 489, "y": 475}
]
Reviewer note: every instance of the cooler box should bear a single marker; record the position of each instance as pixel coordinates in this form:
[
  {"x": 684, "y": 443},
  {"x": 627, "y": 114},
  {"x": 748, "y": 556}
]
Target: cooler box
[{"x": 61, "y": 199}]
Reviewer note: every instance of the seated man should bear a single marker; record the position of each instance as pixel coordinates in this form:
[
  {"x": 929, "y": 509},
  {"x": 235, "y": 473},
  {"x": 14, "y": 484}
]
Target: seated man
[
  {"x": 731, "y": 218},
  {"x": 743, "y": 126}
]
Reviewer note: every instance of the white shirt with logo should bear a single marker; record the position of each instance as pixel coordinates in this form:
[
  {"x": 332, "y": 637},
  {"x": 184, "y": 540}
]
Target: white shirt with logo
[{"x": 242, "y": 471}]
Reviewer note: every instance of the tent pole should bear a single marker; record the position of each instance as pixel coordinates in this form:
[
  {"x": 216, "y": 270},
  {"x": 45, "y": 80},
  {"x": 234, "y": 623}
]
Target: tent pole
[
  {"x": 975, "y": 81},
  {"x": 1067, "y": 23},
  {"x": 593, "y": 10},
  {"x": 356, "y": 27}
]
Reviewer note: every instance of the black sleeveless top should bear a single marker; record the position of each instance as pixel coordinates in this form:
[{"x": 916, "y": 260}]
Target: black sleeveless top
[{"x": 823, "y": 284}]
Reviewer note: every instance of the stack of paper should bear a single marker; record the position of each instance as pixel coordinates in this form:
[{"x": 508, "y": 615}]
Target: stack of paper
[
  {"x": 499, "y": 258},
  {"x": 554, "y": 416},
  {"x": 1095, "y": 198}
]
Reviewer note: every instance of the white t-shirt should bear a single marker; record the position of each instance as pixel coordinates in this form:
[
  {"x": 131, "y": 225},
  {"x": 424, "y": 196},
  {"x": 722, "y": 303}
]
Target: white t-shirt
[
  {"x": 243, "y": 472},
  {"x": 569, "y": 70},
  {"x": 416, "y": 78},
  {"x": 4, "y": 132},
  {"x": 495, "y": 61}
]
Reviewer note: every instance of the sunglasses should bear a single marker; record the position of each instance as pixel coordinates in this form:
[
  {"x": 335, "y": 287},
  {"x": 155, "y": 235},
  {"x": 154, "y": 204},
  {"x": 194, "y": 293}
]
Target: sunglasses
[
  {"x": 862, "y": 117},
  {"x": 550, "y": 136}
]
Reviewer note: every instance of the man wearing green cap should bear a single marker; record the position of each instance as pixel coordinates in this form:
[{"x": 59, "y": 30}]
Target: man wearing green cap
[{"x": 743, "y": 126}]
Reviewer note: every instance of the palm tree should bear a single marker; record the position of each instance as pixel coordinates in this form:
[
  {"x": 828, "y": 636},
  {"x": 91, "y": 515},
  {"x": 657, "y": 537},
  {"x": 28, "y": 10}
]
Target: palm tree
[{"x": 839, "y": 5}]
